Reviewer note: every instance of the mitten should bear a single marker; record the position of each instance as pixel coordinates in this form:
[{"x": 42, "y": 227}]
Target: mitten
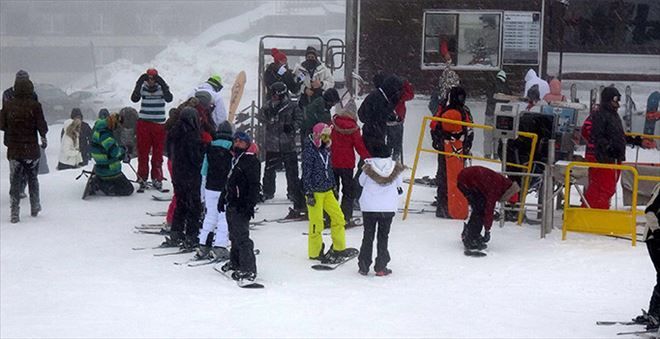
[{"x": 44, "y": 142}]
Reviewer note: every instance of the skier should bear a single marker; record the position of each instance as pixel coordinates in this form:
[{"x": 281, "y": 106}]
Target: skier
[
  {"x": 213, "y": 86},
  {"x": 346, "y": 139},
  {"x": 482, "y": 187},
  {"x": 652, "y": 239},
  {"x": 21, "y": 119},
  {"x": 108, "y": 155},
  {"x": 532, "y": 79},
  {"x": 606, "y": 143},
  {"x": 216, "y": 166},
  {"x": 395, "y": 128},
  {"x": 185, "y": 148},
  {"x": 497, "y": 85},
  {"x": 239, "y": 198},
  {"x": 377, "y": 109},
  {"x": 312, "y": 77},
  {"x": 555, "y": 92},
  {"x": 318, "y": 183},
  {"x": 154, "y": 93},
  {"x": 282, "y": 119},
  {"x": 318, "y": 111},
  {"x": 70, "y": 156},
  {"x": 456, "y": 139},
  {"x": 381, "y": 182},
  {"x": 278, "y": 71}
]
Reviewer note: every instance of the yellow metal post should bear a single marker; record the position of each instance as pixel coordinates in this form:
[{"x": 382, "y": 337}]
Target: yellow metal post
[{"x": 414, "y": 168}]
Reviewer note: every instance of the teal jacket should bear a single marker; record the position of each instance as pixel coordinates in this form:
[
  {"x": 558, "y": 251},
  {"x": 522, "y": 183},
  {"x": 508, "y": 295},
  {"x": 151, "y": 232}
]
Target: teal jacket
[{"x": 106, "y": 152}]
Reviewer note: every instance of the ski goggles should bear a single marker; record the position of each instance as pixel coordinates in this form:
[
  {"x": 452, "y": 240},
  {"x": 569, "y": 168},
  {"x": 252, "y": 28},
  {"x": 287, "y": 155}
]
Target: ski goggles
[{"x": 325, "y": 137}]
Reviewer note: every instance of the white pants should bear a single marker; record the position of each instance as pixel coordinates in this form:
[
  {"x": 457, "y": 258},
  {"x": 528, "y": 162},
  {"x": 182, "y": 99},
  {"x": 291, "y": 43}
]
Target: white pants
[{"x": 214, "y": 221}]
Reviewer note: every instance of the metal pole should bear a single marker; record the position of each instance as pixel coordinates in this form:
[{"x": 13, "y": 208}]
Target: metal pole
[
  {"x": 548, "y": 190},
  {"x": 504, "y": 151}
]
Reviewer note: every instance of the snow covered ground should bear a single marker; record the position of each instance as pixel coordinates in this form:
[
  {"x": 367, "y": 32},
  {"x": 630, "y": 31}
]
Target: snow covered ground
[{"x": 71, "y": 272}]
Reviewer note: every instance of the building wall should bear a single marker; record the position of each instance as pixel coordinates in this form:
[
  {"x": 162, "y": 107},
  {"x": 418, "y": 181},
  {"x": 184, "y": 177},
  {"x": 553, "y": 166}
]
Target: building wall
[{"x": 390, "y": 39}]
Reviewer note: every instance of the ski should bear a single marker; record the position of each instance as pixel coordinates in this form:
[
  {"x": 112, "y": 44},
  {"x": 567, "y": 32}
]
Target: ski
[
  {"x": 153, "y": 232},
  {"x": 180, "y": 251},
  {"x": 609, "y": 323},
  {"x": 150, "y": 226},
  {"x": 352, "y": 254},
  {"x": 474, "y": 253},
  {"x": 639, "y": 332},
  {"x": 157, "y": 214},
  {"x": 152, "y": 248}
]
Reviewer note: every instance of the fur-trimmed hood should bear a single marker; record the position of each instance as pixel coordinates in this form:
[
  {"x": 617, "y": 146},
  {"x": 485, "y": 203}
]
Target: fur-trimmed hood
[
  {"x": 382, "y": 170},
  {"x": 344, "y": 124}
]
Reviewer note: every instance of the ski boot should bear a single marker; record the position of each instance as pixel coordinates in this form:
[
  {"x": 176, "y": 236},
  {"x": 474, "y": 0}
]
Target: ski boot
[
  {"x": 295, "y": 214},
  {"x": 219, "y": 253},
  {"x": 228, "y": 266},
  {"x": 203, "y": 252},
  {"x": 385, "y": 271},
  {"x": 142, "y": 187},
  {"x": 244, "y": 277},
  {"x": 174, "y": 240}
]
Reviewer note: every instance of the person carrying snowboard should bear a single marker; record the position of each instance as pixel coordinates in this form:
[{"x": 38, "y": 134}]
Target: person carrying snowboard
[
  {"x": 318, "y": 184},
  {"x": 185, "y": 149},
  {"x": 483, "y": 188},
  {"x": 216, "y": 166},
  {"x": 652, "y": 238},
  {"x": 381, "y": 182},
  {"x": 456, "y": 139},
  {"x": 238, "y": 200},
  {"x": 346, "y": 139}
]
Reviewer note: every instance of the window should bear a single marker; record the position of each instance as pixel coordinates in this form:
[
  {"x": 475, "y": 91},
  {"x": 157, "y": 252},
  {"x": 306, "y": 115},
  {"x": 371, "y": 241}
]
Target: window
[{"x": 468, "y": 40}]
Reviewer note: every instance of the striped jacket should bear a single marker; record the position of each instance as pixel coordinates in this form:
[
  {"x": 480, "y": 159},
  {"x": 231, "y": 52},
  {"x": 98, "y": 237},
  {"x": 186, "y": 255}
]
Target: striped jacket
[
  {"x": 106, "y": 152},
  {"x": 152, "y": 107}
]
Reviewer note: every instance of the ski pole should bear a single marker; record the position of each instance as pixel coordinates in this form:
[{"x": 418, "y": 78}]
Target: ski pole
[{"x": 134, "y": 171}]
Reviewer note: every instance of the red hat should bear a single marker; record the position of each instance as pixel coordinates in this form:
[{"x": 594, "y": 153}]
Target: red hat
[
  {"x": 278, "y": 56},
  {"x": 152, "y": 72}
]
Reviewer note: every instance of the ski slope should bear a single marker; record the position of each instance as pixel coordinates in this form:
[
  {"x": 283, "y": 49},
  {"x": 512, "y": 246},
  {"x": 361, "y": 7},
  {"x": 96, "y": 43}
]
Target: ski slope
[{"x": 71, "y": 272}]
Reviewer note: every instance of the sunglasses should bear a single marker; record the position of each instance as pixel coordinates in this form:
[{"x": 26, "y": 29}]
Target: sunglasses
[{"x": 325, "y": 137}]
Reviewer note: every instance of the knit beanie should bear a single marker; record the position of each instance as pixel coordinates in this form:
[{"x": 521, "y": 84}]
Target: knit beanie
[
  {"x": 608, "y": 94},
  {"x": 501, "y": 75},
  {"x": 311, "y": 50},
  {"x": 225, "y": 131},
  {"x": 331, "y": 96},
  {"x": 204, "y": 98},
  {"x": 103, "y": 113},
  {"x": 278, "y": 56},
  {"x": 242, "y": 136},
  {"x": 152, "y": 72},
  {"x": 22, "y": 75},
  {"x": 76, "y": 113}
]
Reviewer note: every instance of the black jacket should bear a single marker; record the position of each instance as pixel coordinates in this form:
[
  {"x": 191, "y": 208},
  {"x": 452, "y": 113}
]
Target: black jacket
[
  {"x": 608, "y": 136},
  {"x": 219, "y": 164},
  {"x": 496, "y": 86},
  {"x": 282, "y": 122},
  {"x": 242, "y": 189},
  {"x": 377, "y": 109},
  {"x": 185, "y": 149},
  {"x": 271, "y": 77}
]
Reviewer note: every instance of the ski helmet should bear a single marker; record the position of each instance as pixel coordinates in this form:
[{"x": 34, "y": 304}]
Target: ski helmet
[{"x": 279, "y": 89}]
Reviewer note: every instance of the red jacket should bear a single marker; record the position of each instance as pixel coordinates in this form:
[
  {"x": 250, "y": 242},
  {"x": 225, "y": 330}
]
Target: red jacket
[
  {"x": 407, "y": 94},
  {"x": 490, "y": 183},
  {"x": 345, "y": 138}
]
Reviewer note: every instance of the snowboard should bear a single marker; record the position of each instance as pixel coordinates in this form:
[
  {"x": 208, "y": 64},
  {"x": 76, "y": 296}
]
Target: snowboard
[
  {"x": 629, "y": 108},
  {"x": 89, "y": 187},
  {"x": 327, "y": 266},
  {"x": 474, "y": 253},
  {"x": 573, "y": 91},
  {"x": 457, "y": 204},
  {"x": 652, "y": 116},
  {"x": 157, "y": 214},
  {"x": 227, "y": 274},
  {"x": 236, "y": 94}
]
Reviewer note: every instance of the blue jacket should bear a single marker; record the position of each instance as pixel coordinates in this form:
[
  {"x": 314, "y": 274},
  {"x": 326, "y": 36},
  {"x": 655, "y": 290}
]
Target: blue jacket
[{"x": 317, "y": 175}]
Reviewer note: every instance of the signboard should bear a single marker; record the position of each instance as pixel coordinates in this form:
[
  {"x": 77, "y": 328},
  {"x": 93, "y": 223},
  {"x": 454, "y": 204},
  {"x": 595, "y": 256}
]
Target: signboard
[{"x": 521, "y": 38}]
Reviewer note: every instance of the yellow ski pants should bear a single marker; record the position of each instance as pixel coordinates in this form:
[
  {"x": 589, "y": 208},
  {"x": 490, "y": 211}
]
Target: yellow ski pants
[{"x": 325, "y": 201}]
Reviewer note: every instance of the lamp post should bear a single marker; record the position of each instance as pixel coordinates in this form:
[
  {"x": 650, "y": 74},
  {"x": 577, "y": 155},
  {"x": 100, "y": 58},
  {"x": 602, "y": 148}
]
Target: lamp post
[{"x": 562, "y": 13}]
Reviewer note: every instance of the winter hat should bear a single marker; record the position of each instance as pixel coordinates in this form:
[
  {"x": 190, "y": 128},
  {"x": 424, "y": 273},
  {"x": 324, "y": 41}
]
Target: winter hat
[
  {"x": 278, "y": 56},
  {"x": 76, "y": 113},
  {"x": 311, "y": 50},
  {"x": 22, "y": 75},
  {"x": 510, "y": 192},
  {"x": 457, "y": 96},
  {"x": 103, "y": 113},
  {"x": 204, "y": 98},
  {"x": 331, "y": 95},
  {"x": 318, "y": 131},
  {"x": 152, "y": 72},
  {"x": 225, "y": 131},
  {"x": 242, "y": 136},
  {"x": 448, "y": 79},
  {"x": 501, "y": 75},
  {"x": 215, "y": 80},
  {"x": 379, "y": 78},
  {"x": 350, "y": 109},
  {"x": 608, "y": 94}
]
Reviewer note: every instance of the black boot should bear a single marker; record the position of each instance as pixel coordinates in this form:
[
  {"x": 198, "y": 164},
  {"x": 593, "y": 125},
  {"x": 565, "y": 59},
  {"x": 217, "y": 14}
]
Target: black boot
[{"x": 15, "y": 210}]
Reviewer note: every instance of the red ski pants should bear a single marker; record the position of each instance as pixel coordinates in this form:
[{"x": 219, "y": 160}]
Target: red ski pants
[
  {"x": 602, "y": 186},
  {"x": 150, "y": 138}
]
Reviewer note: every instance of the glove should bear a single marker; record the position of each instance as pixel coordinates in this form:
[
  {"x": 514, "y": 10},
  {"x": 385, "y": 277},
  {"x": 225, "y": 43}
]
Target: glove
[
  {"x": 282, "y": 70},
  {"x": 161, "y": 82},
  {"x": 486, "y": 237},
  {"x": 310, "y": 199},
  {"x": 221, "y": 204},
  {"x": 142, "y": 78},
  {"x": 399, "y": 190},
  {"x": 288, "y": 129},
  {"x": 301, "y": 77},
  {"x": 44, "y": 142}
]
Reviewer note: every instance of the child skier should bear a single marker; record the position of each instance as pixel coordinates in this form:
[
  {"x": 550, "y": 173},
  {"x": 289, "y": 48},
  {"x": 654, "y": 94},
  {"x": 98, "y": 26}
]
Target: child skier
[
  {"x": 482, "y": 187},
  {"x": 239, "y": 198},
  {"x": 381, "y": 182},
  {"x": 318, "y": 183},
  {"x": 216, "y": 166},
  {"x": 652, "y": 238},
  {"x": 346, "y": 139}
]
